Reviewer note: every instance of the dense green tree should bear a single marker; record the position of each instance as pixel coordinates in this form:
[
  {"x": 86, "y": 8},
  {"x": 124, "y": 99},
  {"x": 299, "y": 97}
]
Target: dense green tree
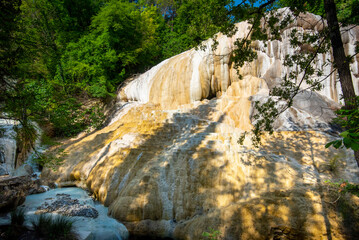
[
  {"x": 167, "y": 8},
  {"x": 37, "y": 32},
  {"x": 9, "y": 52},
  {"x": 188, "y": 22},
  {"x": 13, "y": 99},
  {"x": 122, "y": 40}
]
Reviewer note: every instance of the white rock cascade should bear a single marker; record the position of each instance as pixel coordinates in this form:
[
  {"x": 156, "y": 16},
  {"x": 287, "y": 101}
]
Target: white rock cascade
[
  {"x": 168, "y": 164},
  {"x": 7, "y": 146},
  {"x": 198, "y": 74}
]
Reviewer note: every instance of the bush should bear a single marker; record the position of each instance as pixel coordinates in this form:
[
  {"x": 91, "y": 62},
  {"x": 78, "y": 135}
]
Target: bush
[
  {"x": 349, "y": 120},
  {"x": 343, "y": 186},
  {"x": 212, "y": 234},
  {"x": 59, "y": 227},
  {"x": 334, "y": 164},
  {"x": 51, "y": 160},
  {"x": 18, "y": 217}
]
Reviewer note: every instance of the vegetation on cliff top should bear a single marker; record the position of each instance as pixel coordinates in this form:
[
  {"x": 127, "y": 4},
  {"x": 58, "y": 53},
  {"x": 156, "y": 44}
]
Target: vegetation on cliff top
[{"x": 61, "y": 59}]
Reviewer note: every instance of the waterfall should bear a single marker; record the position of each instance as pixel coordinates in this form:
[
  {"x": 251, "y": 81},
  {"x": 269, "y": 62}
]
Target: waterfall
[{"x": 7, "y": 146}]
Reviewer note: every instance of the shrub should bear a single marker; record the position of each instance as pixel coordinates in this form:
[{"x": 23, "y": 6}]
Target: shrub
[
  {"x": 334, "y": 164},
  {"x": 51, "y": 160},
  {"x": 343, "y": 186},
  {"x": 59, "y": 227},
  {"x": 18, "y": 217},
  {"x": 212, "y": 234}
]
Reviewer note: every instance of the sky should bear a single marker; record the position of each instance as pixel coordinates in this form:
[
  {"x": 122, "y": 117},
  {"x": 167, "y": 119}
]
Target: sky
[{"x": 239, "y": 1}]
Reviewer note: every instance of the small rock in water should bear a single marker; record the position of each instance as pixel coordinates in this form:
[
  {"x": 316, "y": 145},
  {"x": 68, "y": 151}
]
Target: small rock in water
[
  {"x": 67, "y": 206},
  {"x": 13, "y": 191},
  {"x": 46, "y": 188}
]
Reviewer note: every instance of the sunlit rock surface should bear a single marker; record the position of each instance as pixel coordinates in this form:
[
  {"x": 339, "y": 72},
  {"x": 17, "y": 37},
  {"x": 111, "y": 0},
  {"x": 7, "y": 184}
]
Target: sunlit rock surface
[
  {"x": 179, "y": 172},
  {"x": 169, "y": 165},
  {"x": 199, "y": 74}
]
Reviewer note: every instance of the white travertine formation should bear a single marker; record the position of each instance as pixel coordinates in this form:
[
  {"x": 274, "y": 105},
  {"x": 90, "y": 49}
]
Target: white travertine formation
[
  {"x": 169, "y": 164},
  {"x": 7, "y": 145},
  {"x": 198, "y": 74}
]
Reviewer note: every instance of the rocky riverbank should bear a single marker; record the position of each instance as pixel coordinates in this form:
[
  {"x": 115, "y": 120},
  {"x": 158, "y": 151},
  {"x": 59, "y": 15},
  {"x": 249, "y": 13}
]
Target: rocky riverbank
[
  {"x": 21, "y": 189},
  {"x": 14, "y": 190},
  {"x": 90, "y": 220}
]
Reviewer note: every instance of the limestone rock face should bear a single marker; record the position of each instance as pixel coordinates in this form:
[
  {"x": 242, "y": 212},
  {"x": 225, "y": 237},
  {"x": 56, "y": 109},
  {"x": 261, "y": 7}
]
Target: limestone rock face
[
  {"x": 13, "y": 153},
  {"x": 168, "y": 163},
  {"x": 198, "y": 74},
  {"x": 177, "y": 173}
]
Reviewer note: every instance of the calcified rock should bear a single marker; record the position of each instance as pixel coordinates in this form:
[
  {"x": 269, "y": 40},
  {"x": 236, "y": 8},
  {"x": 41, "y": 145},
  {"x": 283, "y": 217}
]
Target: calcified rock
[
  {"x": 169, "y": 165},
  {"x": 12, "y": 153},
  {"x": 178, "y": 173},
  {"x": 198, "y": 74},
  {"x": 7, "y": 145}
]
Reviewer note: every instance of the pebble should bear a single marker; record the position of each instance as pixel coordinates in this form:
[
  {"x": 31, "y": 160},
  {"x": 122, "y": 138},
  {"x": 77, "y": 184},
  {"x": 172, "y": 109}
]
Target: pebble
[{"x": 65, "y": 205}]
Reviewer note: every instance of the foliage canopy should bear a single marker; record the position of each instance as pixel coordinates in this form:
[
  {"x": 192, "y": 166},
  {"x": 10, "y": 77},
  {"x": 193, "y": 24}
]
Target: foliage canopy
[{"x": 61, "y": 59}]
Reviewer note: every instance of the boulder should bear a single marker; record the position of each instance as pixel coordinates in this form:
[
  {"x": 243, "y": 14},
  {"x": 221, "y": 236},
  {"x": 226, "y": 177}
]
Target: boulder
[
  {"x": 15, "y": 189},
  {"x": 13, "y": 192},
  {"x": 23, "y": 170}
]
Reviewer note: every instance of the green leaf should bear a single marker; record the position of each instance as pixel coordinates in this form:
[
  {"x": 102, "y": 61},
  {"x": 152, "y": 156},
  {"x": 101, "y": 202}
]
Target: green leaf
[
  {"x": 344, "y": 134},
  {"x": 329, "y": 144},
  {"x": 337, "y": 144},
  {"x": 355, "y": 146},
  {"x": 347, "y": 142},
  {"x": 354, "y": 135}
]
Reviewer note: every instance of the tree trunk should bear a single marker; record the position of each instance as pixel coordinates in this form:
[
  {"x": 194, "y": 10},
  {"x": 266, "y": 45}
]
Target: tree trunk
[
  {"x": 356, "y": 154},
  {"x": 340, "y": 60}
]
